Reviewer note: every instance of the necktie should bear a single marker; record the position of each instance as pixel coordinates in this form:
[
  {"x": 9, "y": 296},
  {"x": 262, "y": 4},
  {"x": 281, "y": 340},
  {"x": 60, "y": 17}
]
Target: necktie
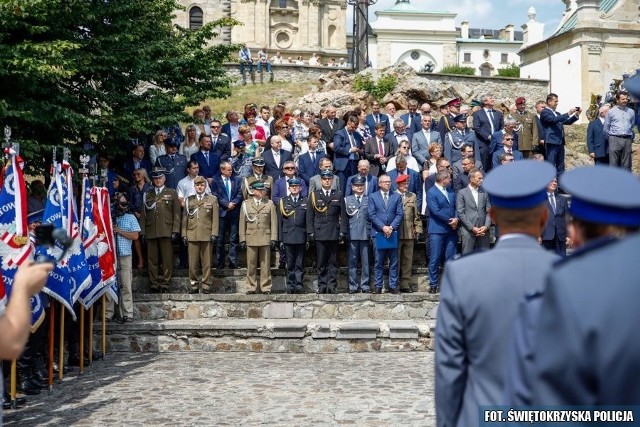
[
  {"x": 380, "y": 147},
  {"x": 295, "y": 200},
  {"x": 313, "y": 157},
  {"x": 228, "y": 187},
  {"x": 552, "y": 200},
  {"x": 376, "y": 118},
  {"x": 326, "y": 193},
  {"x": 206, "y": 157},
  {"x": 157, "y": 191},
  {"x": 199, "y": 198},
  {"x": 491, "y": 122},
  {"x": 213, "y": 142},
  {"x": 358, "y": 200},
  {"x": 276, "y": 158},
  {"x": 173, "y": 157},
  {"x": 385, "y": 198},
  {"x": 509, "y": 151},
  {"x": 331, "y": 124},
  {"x": 351, "y": 141}
]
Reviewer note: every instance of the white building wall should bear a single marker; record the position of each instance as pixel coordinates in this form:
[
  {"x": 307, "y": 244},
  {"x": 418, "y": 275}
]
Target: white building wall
[
  {"x": 535, "y": 70},
  {"x": 428, "y": 52},
  {"x": 566, "y": 78},
  {"x": 476, "y": 50}
]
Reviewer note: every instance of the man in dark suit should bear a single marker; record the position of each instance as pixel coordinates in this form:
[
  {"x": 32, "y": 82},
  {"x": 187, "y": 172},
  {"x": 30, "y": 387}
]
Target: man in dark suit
[
  {"x": 378, "y": 150},
  {"x": 275, "y": 158},
  {"x": 348, "y": 148},
  {"x": 231, "y": 127},
  {"x": 386, "y": 214},
  {"x": 376, "y": 117},
  {"x": 412, "y": 118},
  {"x": 329, "y": 126},
  {"x": 227, "y": 189},
  {"x": 451, "y": 110},
  {"x": 486, "y": 122},
  {"x": 461, "y": 180},
  {"x": 507, "y": 148},
  {"x": 370, "y": 181},
  {"x": 597, "y": 144},
  {"x": 309, "y": 162},
  {"x": 443, "y": 223},
  {"x": 323, "y": 219},
  {"x": 292, "y": 234},
  {"x": 398, "y": 134},
  {"x": 281, "y": 186},
  {"x": 208, "y": 161},
  {"x": 510, "y": 126},
  {"x": 553, "y": 126},
  {"x": 220, "y": 143},
  {"x": 173, "y": 163},
  {"x": 554, "y": 234},
  {"x": 540, "y": 105},
  {"x": 421, "y": 140},
  {"x": 136, "y": 161},
  {"x": 472, "y": 204}
]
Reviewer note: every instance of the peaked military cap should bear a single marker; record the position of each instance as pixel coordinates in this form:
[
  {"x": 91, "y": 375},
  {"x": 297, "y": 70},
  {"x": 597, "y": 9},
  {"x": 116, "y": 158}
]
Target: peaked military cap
[
  {"x": 475, "y": 103},
  {"x": 258, "y": 161},
  {"x": 199, "y": 180},
  {"x": 460, "y": 118},
  {"x": 326, "y": 174},
  {"x": 454, "y": 101},
  {"x": 171, "y": 141},
  {"x": 294, "y": 181},
  {"x": 359, "y": 180},
  {"x": 519, "y": 185},
  {"x": 257, "y": 185},
  {"x": 158, "y": 172}
]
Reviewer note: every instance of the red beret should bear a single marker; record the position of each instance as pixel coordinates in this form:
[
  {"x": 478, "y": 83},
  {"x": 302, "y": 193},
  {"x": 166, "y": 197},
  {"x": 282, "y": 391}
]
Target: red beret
[
  {"x": 401, "y": 178},
  {"x": 454, "y": 101},
  {"x": 521, "y": 100}
]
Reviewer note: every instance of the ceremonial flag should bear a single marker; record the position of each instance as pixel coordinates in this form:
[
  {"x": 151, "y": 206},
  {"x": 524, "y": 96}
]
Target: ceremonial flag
[
  {"x": 90, "y": 243},
  {"x": 71, "y": 275},
  {"x": 15, "y": 247},
  {"x": 105, "y": 240}
]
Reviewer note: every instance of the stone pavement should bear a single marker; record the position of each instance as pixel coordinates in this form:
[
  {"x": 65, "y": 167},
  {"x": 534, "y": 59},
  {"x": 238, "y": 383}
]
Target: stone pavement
[{"x": 241, "y": 389}]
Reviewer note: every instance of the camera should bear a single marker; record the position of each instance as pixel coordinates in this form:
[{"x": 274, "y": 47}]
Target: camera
[
  {"x": 47, "y": 235},
  {"x": 578, "y": 108},
  {"x": 44, "y": 235}
]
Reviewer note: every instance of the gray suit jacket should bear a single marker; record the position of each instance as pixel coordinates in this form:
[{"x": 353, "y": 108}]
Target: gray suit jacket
[
  {"x": 470, "y": 214},
  {"x": 420, "y": 146},
  {"x": 587, "y": 348},
  {"x": 315, "y": 183},
  {"x": 478, "y": 306}
]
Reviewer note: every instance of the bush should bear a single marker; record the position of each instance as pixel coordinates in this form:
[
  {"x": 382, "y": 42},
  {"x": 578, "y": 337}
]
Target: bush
[
  {"x": 378, "y": 90},
  {"x": 454, "y": 69},
  {"x": 512, "y": 70}
]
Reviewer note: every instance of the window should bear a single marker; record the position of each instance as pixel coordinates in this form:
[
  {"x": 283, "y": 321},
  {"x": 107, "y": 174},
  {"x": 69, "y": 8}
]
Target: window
[
  {"x": 504, "y": 58},
  {"x": 467, "y": 57},
  {"x": 195, "y": 18},
  {"x": 283, "y": 4}
]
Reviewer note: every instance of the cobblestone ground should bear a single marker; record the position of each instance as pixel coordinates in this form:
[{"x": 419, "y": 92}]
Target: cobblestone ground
[{"x": 241, "y": 389}]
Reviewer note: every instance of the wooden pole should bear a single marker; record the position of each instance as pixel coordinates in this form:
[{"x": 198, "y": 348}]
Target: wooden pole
[
  {"x": 81, "y": 339},
  {"x": 61, "y": 344},
  {"x": 104, "y": 326},
  {"x": 52, "y": 321},
  {"x": 91, "y": 334},
  {"x": 14, "y": 383}
]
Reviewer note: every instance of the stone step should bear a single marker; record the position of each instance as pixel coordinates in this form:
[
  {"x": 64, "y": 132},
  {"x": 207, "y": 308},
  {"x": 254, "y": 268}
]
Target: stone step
[
  {"x": 271, "y": 335},
  {"x": 410, "y": 306},
  {"x": 235, "y": 281}
]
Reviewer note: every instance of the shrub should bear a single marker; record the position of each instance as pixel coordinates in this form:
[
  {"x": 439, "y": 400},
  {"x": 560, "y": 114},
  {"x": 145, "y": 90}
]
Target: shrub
[
  {"x": 512, "y": 70},
  {"x": 378, "y": 90},
  {"x": 455, "y": 69}
]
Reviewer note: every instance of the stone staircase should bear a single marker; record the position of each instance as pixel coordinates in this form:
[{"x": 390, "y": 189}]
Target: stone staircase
[{"x": 230, "y": 320}]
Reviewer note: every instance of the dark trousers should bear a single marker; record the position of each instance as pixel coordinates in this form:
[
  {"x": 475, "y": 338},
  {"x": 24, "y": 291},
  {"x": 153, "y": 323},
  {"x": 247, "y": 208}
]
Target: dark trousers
[
  {"x": 295, "y": 272},
  {"x": 555, "y": 156},
  {"x": 559, "y": 246},
  {"x": 231, "y": 224},
  {"x": 442, "y": 246},
  {"x": 485, "y": 157},
  {"x": 602, "y": 160},
  {"x": 350, "y": 170},
  {"x": 326, "y": 254}
]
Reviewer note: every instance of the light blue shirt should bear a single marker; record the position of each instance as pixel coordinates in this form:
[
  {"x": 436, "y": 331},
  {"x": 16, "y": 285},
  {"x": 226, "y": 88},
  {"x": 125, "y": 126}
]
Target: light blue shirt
[
  {"x": 126, "y": 222},
  {"x": 619, "y": 122}
]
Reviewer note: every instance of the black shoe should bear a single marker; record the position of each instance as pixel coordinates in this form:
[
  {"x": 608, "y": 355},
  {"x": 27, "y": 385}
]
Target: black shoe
[
  {"x": 377, "y": 291},
  {"x": 321, "y": 291},
  {"x": 65, "y": 369},
  {"x": 282, "y": 266},
  {"x": 365, "y": 290},
  {"x": 6, "y": 401},
  {"x": 220, "y": 267},
  {"x": 251, "y": 292},
  {"x": 299, "y": 291},
  {"x": 75, "y": 360},
  {"x": 155, "y": 291},
  {"x": 127, "y": 319},
  {"x": 353, "y": 291},
  {"x": 394, "y": 291},
  {"x": 233, "y": 265},
  {"x": 29, "y": 387},
  {"x": 267, "y": 293},
  {"x": 291, "y": 291},
  {"x": 193, "y": 291},
  {"x": 433, "y": 290}
]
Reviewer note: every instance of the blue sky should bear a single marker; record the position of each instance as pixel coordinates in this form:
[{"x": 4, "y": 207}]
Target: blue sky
[{"x": 491, "y": 14}]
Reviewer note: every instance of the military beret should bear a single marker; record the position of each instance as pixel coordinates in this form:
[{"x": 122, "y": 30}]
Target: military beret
[
  {"x": 257, "y": 185},
  {"x": 454, "y": 102},
  {"x": 521, "y": 100},
  {"x": 258, "y": 161},
  {"x": 294, "y": 181},
  {"x": 326, "y": 174},
  {"x": 401, "y": 178},
  {"x": 519, "y": 185},
  {"x": 603, "y": 195}
]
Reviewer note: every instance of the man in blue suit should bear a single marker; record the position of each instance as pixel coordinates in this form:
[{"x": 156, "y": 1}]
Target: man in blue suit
[
  {"x": 386, "y": 214},
  {"x": 370, "y": 181},
  {"x": 208, "y": 161},
  {"x": 227, "y": 189},
  {"x": 443, "y": 225},
  {"x": 399, "y": 133},
  {"x": 554, "y": 234},
  {"x": 348, "y": 149},
  {"x": 597, "y": 144},
  {"x": 376, "y": 117},
  {"x": 281, "y": 186},
  {"x": 486, "y": 122},
  {"x": 507, "y": 148},
  {"x": 309, "y": 162},
  {"x": 553, "y": 127},
  {"x": 412, "y": 118},
  {"x": 220, "y": 143}
]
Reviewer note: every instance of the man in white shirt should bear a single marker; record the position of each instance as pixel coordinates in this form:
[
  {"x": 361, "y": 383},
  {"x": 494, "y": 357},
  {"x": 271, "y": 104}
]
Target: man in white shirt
[{"x": 186, "y": 186}]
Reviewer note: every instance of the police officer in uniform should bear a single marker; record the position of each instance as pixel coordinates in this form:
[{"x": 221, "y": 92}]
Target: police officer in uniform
[
  {"x": 481, "y": 293},
  {"x": 323, "y": 219},
  {"x": 292, "y": 230},
  {"x": 174, "y": 164},
  {"x": 410, "y": 229},
  {"x": 199, "y": 232},
  {"x": 160, "y": 224},
  {"x": 257, "y": 175},
  {"x": 588, "y": 306},
  {"x": 355, "y": 228},
  {"x": 258, "y": 235}
]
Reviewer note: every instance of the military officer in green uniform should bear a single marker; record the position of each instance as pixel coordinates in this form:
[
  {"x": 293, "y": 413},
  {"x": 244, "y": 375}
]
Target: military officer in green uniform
[
  {"x": 160, "y": 224},
  {"x": 258, "y": 235},
  {"x": 257, "y": 175},
  {"x": 199, "y": 233},
  {"x": 410, "y": 229}
]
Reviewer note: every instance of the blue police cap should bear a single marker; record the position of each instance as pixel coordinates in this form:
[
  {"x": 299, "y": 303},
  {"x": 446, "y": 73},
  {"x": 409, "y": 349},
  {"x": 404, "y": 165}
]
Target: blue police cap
[
  {"x": 294, "y": 181},
  {"x": 519, "y": 185},
  {"x": 170, "y": 141},
  {"x": 35, "y": 216},
  {"x": 460, "y": 118},
  {"x": 603, "y": 195},
  {"x": 359, "y": 180},
  {"x": 326, "y": 174}
]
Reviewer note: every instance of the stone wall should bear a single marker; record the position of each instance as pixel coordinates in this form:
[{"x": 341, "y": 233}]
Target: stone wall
[{"x": 285, "y": 73}]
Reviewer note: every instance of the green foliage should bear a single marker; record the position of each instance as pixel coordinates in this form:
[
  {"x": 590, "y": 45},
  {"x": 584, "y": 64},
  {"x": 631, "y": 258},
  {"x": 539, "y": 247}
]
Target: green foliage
[
  {"x": 384, "y": 85},
  {"x": 454, "y": 69},
  {"x": 74, "y": 68},
  {"x": 511, "y": 70}
]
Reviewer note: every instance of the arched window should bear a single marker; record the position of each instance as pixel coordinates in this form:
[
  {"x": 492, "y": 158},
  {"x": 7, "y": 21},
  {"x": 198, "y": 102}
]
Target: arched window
[
  {"x": 332, "y": 35},
  {"x": 195, "y": 18}
]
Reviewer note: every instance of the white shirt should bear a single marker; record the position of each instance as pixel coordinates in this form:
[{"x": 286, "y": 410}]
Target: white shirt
[
  {"x": 474, "y": 193},
  {"x": 185, "y": 188},
  {"x": 412, "y": 163},
  {"x": 443, "y": 191}
]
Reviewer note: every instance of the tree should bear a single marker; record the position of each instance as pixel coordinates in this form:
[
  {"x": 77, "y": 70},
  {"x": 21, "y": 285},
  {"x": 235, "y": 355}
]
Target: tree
[
  {"x": 511, "y": 70},
  {"x": 70, "y": 69}
]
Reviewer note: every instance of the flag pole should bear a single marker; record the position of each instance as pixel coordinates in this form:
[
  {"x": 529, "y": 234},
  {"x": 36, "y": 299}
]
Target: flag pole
[
  {"x": 52, "y": 321},
  {"x": 91, "y": 334},
  {"x": 104, "y": 325},
  {"x": 14, "y": 381},
  {"x": 61, "y": 345},
  {"x": 81, "y": 339}
]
